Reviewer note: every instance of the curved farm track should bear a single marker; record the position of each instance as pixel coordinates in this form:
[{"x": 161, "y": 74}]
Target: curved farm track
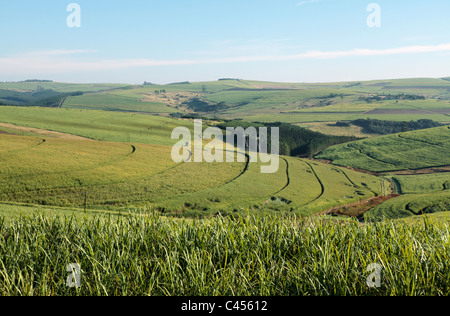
[
  {"x": 370, "y": 156},
  {"x": 354, "y": 184},
  {"x": 320, "y": 182},
  {"x": 247, "y": 165},
  {"x": 93, "y": 167},
  {"x": 420, "y": 141},
  {"x": 24, "y": 149},
  {"x": 287, "y": 176}
]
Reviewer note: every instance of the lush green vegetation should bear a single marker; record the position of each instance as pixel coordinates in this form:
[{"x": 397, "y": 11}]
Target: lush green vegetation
[
  {"x": 65, "y": 172},
  {"x": 401, "y": 96},
  {"x": 40, "y": 97},
  {"x": 110, "y": 101},
  {"x": 411, "y": 150},
  {"x": 293, "y": 140},
  {"x": 411, "y": 205},
  {"x": 370, "y": 126},
  {"x": 146, "y": 254},
  {"x": 140, "y": 224},
  {"x": 421, "y": 194},
  {"x": 99, "y": 125}
]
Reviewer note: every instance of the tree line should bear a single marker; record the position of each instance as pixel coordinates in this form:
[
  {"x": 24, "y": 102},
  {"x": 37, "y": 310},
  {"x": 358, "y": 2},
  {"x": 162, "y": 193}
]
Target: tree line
[
  {"x": 40, "y": 97},
  {"x": 373, "y": 126},
  {"x": 294, "y": 140}
]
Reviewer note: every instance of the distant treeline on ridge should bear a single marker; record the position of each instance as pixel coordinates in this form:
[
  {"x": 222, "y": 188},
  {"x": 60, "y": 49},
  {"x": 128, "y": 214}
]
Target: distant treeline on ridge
[
  {"x": 294, "y": 140},
  {"x": 382, "y": 127}
]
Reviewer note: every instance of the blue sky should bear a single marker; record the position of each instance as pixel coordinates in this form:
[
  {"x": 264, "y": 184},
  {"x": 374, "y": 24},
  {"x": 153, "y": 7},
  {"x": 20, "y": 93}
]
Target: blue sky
[{"x": 177, "y": 40}]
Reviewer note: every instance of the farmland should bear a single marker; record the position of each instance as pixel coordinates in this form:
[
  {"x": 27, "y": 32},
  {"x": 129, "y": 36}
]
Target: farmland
[
  {"x": 131, "y": 127},
  {"x": 122, "y": 174},
  {"x": 94, "y": 179},
  {"x": 421, "y": 194},
  {"x": 403, "y": 151},
  {"x": 266, "y": 101},
  {"x": 99, "y": 125},
  {"x": 150, "y": 255}
]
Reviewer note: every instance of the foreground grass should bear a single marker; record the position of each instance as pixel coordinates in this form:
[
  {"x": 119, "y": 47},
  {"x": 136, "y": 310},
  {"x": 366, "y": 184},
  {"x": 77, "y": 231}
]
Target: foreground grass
[{"x": 147, "y": 254}]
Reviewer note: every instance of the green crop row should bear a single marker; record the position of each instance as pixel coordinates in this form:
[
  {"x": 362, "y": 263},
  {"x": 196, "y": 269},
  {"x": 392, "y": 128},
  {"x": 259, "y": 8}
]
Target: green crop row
[{"x": 145, "y": 254}]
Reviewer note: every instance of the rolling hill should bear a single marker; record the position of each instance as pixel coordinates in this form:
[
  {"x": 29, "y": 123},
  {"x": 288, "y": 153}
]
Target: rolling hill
[
  {"x": 403, "y": 151},
  {"x": 121, "y": 157}
]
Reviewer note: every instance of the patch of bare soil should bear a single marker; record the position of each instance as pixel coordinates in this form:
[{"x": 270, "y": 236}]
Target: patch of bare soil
[
  {"x": 41, "y": 132},
  {"x": 358, "y": 209},
  {"x": 172, "y": 99}
]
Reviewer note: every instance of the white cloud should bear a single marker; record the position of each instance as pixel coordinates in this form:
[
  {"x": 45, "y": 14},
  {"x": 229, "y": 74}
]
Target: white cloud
[
  {"x": 63, "y": 61},
  {"x": 57, "y": 52},
  {"x": 305, "y": 2}
]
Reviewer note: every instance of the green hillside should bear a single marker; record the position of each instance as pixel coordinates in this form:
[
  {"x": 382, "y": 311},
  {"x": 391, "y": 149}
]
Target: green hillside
[
  {"x": 403, "y": 151},
  {"x": 64, "y": 172},
  {"x": 129, "y": 162},
  {"x": 99, "y": 125},
  {"x": 397, "y": 100}
]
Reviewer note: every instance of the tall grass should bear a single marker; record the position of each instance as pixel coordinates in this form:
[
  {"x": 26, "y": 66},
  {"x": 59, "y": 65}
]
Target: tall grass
[{"x": 148, "y": 254}]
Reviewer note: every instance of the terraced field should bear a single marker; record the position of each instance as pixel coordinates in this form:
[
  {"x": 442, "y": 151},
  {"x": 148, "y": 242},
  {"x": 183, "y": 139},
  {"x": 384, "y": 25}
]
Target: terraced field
[
  {"x": 105, "y": 191},
  {"x": 98, "y": 125},
  {"x": 421, "y": 194},
  {"x": 60, "y": 171},
  {"x": 127, "y": 162},
  {"x": 70, "y": 173},
  {"x": 404, "y": 151}
]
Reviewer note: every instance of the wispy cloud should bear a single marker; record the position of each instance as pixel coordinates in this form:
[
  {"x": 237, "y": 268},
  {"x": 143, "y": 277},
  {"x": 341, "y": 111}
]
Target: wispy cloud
[
  {"x": 306, "y": 2},
  {"x": 53, "y": 62},
  {"x": 57, "y": 52}
]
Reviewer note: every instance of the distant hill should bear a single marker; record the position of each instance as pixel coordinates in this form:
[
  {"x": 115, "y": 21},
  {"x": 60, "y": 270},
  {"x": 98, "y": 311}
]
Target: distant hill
[{"x": 229, "y": 98}]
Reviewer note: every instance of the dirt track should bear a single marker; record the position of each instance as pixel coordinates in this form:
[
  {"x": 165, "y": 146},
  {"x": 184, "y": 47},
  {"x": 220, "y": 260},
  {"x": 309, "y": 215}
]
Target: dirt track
[
  {"x": 40, "y": 132},
  {"x": 357, "y": 209}
]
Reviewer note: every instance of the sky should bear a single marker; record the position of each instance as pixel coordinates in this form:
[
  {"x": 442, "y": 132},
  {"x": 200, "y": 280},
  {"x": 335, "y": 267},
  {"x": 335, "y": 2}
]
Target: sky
[{"x": 110, "y": 41}]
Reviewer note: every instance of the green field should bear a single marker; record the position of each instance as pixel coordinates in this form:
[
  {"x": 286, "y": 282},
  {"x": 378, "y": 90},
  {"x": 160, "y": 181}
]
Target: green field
[
  {"x": 265, "y": 101},
  {"x": 404, "y": 151},
  {"x": 115, "y": 102},
  {"x": 145, "y": 254},
  {"x": 420, "y": 194},
  {"x": 410, "y": 206},
  {"x": 426, "y": 183},
  {"x": 51, "y": 171},
  {"x": 93, "y": 182},
  {"x": 99, "y": 125},
  {"x": 122, "y": 173}
]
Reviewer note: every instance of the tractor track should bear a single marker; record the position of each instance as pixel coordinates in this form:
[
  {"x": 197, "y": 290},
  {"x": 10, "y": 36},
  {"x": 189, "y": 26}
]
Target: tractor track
[
  {"x": 23, "y": 149},
  {"x": 96, "y": 166},
  {"x": 421, "y": 141},
  {"x": 370, "y": 156},
  {"x": 354, "y": 184},
  {"x": 87, "y": 187},
  {"x": 320, "y": 182},
  {"x": 288, "y": 177}
]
